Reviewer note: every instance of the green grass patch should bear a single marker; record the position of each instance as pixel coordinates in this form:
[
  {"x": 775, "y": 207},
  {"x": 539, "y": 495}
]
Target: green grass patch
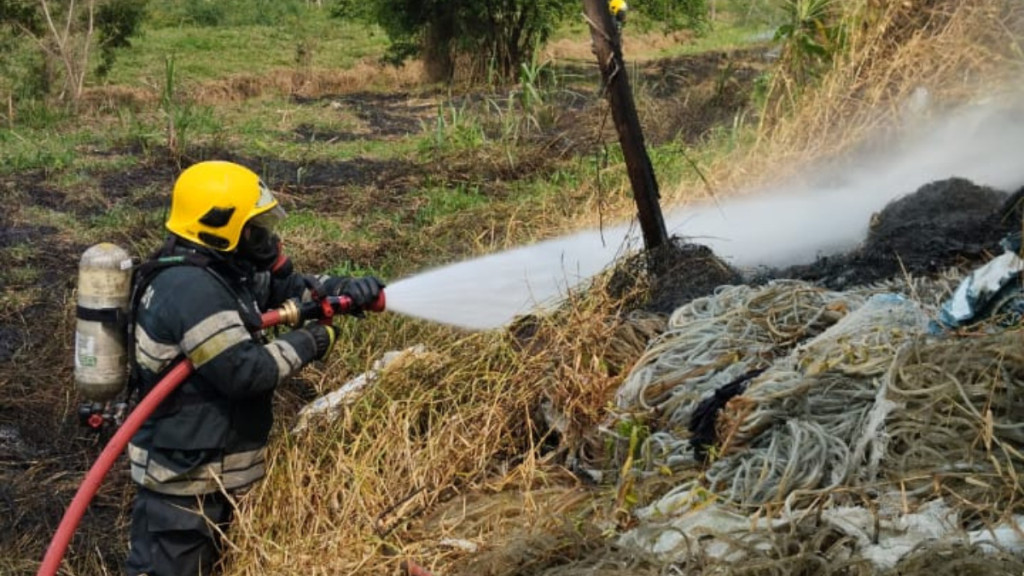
[
  {"x": 455, "y": 126},
  {"x": 347, "y": 268},
  {"x": 725, "y": 37},
  {"x": 18, "y": 272},
  {"x": 308, "y": 224},
  {"x": 443, "y": 203},
  {"x": 120, "y": 217},
  {"x": 305, "y": 132},
  {"x": 26, "y": 149},
  {"x": 211, "y": 53}
]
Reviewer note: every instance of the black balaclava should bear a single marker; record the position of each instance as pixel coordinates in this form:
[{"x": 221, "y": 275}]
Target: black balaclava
[{"x": 260, "y": 246}]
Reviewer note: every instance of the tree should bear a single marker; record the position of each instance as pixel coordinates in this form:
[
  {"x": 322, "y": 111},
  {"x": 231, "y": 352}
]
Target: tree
[
  {"x": 677, "y": 14},
  {"x": 67, "y": 39},
  {"x": 66, "y": 31},
  {"x": 15, "y": 14},
  {"x": 118, "y": 21},
  {"x": 471, "y": 37}
]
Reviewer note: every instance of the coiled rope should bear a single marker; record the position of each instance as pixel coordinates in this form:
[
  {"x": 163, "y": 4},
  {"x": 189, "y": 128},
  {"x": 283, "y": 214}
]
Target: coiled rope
[{"x": 810, "y": 423}]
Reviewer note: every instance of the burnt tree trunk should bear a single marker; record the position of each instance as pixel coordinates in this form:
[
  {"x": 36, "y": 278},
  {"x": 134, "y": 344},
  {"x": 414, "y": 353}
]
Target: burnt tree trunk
[{"x": 604, "y": 33}]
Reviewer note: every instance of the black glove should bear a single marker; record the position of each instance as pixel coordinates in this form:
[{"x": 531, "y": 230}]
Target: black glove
[
  {"x": 363, "y": 291},
  {"x": 324, "y": 336},
  {"x": 314, "y": 286}
]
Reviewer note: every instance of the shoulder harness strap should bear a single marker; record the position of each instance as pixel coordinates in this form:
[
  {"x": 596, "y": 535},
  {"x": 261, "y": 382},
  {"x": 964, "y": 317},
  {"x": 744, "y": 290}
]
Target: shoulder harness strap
[{"x": 142, "y": 276}]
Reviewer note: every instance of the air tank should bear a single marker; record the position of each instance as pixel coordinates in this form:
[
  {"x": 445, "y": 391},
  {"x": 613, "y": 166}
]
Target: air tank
[{"x": 104, "y": 285}]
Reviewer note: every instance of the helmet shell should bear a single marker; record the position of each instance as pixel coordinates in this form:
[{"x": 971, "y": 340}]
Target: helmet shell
[{"x": 213, "y": 200}]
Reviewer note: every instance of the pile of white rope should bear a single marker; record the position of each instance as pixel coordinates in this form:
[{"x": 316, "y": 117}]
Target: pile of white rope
[
  {"x": 861, "y": 395},
  {"x": 957, "y": 422},
  {"x": 712, "y": 341}
]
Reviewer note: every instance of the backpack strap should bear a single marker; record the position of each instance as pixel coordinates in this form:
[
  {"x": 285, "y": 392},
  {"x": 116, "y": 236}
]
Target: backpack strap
[{"x": 142, "y": 277}]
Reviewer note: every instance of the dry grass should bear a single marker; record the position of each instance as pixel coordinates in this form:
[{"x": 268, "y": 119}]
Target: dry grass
[
  {"x": 345, "y": 497},
  {"x": 957, "y": 50},
  {"x": 367, "y": 75}
]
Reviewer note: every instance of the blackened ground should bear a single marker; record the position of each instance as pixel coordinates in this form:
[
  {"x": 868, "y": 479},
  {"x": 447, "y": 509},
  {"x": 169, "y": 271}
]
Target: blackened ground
[
  {"x": 944, "y": 224},
  {"x": 682, "y": 271}
]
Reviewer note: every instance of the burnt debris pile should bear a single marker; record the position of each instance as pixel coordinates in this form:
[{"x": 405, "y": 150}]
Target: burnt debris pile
[{"x": 945, "y": 224}]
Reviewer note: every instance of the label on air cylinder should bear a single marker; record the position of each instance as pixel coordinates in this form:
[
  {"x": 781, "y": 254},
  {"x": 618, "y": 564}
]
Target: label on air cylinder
[{"x": 85, "y": 351}]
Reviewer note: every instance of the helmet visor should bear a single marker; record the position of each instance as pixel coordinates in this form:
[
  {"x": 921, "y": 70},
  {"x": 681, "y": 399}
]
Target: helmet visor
[
  {"x": 268, "y": 219},
  {"x": 270, "y": 212}
]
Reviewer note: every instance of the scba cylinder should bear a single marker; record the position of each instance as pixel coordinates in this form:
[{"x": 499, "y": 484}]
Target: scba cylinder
[{"x": 104, "y": 285}]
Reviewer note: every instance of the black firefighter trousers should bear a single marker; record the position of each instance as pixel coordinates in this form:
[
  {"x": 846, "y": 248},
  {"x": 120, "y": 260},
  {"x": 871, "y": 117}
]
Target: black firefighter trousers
[{"x": 175, "y": 535}]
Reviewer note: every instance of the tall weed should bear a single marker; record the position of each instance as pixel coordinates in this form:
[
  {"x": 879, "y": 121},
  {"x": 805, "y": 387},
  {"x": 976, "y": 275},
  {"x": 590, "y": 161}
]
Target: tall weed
[{"x": 182, "y": 118}]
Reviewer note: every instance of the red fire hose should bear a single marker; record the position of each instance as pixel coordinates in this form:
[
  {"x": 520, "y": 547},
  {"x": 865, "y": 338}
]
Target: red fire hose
[
  {"x": 114, "y": 448},
  {"x": 413, "y": 569},
  {"x": 324, "y": 310}
]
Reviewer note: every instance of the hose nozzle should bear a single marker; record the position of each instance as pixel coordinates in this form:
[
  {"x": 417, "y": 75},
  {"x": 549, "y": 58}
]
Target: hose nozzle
[
  {"x": 294, "y": 314},
  {"x": 332, "y": 305},
  {"x": 379, "y": 304}
]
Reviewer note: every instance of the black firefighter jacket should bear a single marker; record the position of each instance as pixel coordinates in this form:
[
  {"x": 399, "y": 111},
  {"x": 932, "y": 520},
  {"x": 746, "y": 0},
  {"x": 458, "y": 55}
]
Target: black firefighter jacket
[{"x": 212, "y": 431}]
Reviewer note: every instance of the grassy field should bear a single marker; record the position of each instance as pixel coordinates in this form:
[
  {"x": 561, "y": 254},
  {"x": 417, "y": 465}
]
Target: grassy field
[
  {"x": 382, "y": 173},
  {"x": 186, "y": 93}
]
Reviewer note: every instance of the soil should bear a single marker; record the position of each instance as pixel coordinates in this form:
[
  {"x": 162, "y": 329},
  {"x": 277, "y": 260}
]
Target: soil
[
  {"x": 44, "y": 451},
  {"x": 677, "y": 273}
]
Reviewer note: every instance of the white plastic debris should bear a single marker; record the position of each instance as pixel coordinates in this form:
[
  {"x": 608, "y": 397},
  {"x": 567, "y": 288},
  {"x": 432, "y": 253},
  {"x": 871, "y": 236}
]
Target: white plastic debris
[
  {"x": 978, "y": 288},
  {"x": 883, "y": 536},
  {"x": 885, "y": 318},
  {"x": 459, "y": 544},
  {"x": 330, "y": 404},
  {"x": 1007, "y": 535},
  {"x": 708, "y": 528}
]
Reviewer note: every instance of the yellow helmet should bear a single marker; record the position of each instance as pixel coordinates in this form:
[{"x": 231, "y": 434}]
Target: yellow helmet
[
  {"x": 618, "y": 8},
  {"x": 213, "y": 200}
]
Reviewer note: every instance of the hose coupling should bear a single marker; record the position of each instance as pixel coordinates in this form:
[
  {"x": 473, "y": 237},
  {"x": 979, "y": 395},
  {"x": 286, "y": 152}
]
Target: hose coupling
[{"x": 291, "y": 315}]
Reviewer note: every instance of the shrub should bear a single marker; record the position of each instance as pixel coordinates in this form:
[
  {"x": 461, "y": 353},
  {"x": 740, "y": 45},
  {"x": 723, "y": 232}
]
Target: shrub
[
  {"x": 464, "y": 37},
  {"x": 117, "y": 21}
]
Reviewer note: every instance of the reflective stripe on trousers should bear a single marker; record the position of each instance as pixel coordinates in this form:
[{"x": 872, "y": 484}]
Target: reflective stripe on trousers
[{"x": 234, "y": 471}]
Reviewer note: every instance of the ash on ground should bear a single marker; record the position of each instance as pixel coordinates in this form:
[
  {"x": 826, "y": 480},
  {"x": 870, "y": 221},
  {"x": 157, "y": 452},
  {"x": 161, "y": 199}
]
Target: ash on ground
[
  {"x": 675, "y": 273},
  {"x": 945, "y": 224}
]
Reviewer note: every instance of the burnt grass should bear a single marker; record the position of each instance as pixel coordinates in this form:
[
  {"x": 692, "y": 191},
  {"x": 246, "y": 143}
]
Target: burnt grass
[
  {"x": 951, "y": 223},
  {"x": 45, "y": 453}
]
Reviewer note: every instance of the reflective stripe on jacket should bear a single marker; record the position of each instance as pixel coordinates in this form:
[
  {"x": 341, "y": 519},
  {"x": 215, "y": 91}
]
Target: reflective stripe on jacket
[{"x": 211, "y": 433}]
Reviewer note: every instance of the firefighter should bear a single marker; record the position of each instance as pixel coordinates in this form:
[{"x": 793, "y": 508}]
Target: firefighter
[{"x": 207, "y": 440}]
